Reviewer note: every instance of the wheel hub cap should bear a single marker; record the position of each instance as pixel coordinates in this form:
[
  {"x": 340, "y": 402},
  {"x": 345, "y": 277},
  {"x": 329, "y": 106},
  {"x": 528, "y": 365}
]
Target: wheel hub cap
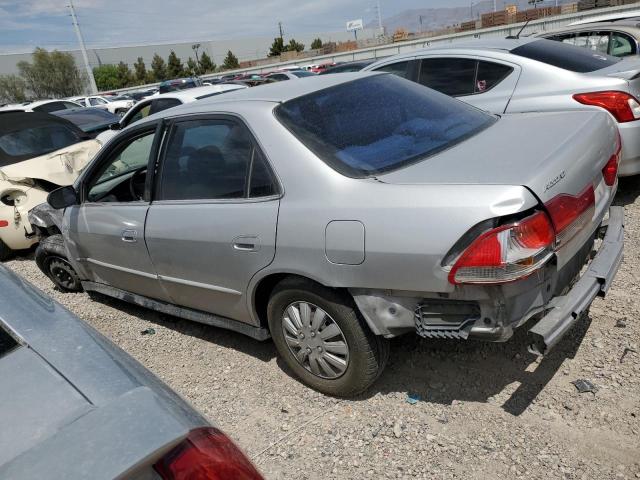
[{"x": 315, "y": 340}]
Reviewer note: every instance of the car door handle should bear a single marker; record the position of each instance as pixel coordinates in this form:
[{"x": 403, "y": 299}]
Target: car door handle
[
  {"x": 130, "y": 236},
  {"x": 246, "y": 244}
]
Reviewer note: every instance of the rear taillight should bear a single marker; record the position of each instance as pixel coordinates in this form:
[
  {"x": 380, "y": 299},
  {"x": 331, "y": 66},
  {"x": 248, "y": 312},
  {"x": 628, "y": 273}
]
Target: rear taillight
[
  {"x": 624, "y": 107},
  {"x": 570, "y": 213},
  {"x": 610, "y": 170},
  {"x": 4, "y": 223},
  {"x": 206, "y": 454},
  {"x": 506, "y": 253}
]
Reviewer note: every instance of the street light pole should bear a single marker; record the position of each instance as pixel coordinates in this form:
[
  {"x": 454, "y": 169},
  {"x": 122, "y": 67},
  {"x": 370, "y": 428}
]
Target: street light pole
[{"x": 92, "y": 81}]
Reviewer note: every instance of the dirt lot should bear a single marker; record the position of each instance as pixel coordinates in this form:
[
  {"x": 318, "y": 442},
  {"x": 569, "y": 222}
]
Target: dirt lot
[{"x": 482, "y": 410}]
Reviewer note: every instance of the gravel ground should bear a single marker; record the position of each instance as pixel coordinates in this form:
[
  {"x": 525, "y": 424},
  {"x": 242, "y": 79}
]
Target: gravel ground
[{"x": 482, "y": 410}]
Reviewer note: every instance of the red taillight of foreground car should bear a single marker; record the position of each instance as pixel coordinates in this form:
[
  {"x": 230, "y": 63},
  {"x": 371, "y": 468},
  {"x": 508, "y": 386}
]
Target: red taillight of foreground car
[
  {"x": 506, "y": 253},
  {"x": 570, "y": 213},
  {"x": 206, "y": 454},
  {"x": 624, "y": 107},
  {"x": 4, "y": 223},
  {"x": 610, "y": 170}
]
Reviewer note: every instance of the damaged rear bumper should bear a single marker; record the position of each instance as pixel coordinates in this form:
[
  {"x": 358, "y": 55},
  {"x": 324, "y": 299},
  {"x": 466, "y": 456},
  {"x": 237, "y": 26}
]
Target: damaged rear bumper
[{"x": 566, "y": 310}]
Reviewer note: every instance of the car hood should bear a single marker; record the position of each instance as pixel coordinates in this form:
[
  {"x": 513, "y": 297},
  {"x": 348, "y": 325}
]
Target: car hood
[
  {"x": 549, "y": 153},
  {"x": 61, "y": 167},
  {"x": 67, "y": 392}
]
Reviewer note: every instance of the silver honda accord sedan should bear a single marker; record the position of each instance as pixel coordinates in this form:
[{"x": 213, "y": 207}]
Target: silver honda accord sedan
[
  {"x": 74, "y": 406},
  {"x": 344, "y": 210},
  {"x": 532, "y": 75}
]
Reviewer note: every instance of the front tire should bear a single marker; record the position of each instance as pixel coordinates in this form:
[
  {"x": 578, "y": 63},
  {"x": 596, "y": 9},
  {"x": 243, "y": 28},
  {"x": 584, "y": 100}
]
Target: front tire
[
  {"x": 323, "y": 339},
  {"x": 51, "y": 258}
]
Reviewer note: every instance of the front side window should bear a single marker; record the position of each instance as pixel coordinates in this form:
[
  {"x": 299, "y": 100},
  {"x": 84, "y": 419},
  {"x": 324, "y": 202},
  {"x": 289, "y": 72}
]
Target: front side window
[
  {"x": 206, "y": 159},
  {"x": 163, "y": 104},
  {"x": 399, "y": 69},
  {"x": 122, "y": 177},
  {"x": 567, "y": 57},
  {"x": 451, "y": 76},
  {"x": 621, "y": 45},
  {"x": 379, "y": 124},
  {"x": 141, "y": 112}
]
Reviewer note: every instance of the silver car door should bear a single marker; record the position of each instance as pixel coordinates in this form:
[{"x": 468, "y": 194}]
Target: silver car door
[
  {"x": 212, "y": 224},
  {"x": 106, "y": 230},
  {"x": 485, "y": 83}
]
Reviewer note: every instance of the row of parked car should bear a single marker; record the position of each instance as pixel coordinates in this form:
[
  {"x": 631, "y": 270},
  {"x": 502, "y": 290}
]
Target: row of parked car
[{"x": 332, "y": 214}]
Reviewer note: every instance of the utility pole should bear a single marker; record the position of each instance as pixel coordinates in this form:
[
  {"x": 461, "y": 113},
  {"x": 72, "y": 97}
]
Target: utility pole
[
  {"x": 379, "y": 18},
  {"x": 281, "y": 32},
  {"x": 495, "y": 7},
  {"x": 92, "y": 81}
]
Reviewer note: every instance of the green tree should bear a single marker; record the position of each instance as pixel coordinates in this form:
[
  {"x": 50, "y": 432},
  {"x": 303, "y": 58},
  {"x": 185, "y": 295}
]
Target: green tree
[
  {"x": 51, "y": 74},
  {"x": 12, "y": 89},
  {"x": 140, "y": 71},
  {"x": 277, "y": 47},
  {"x": 316, "y": 44},
  {"x": 106, "y": 77},
  {"x": 230, "y": 61},
  {"x": 175, "y": 68},
  {"x": 206, "y": 64},
  {"x": 192, "y": 68},
  {"x": 159, "y": 68},
  {"x": 294, "y": 46},
  {"x": 125, "y": 77}
]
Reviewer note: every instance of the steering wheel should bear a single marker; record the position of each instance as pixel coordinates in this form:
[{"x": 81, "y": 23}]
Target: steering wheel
[{"x": 137, "y": 183}]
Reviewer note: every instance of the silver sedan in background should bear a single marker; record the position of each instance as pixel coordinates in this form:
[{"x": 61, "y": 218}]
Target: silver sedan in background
[
  {"x": 532, "y": 75},
  {"x": 333, "y": 213}
]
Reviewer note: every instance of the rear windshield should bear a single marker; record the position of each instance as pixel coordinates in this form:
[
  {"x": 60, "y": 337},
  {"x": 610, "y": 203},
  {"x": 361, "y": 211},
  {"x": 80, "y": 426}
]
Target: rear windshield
[
  {"x": 562, "y": 55},
  {"x": 379, "y": 124},
  {"x": 36, "y": 141}
]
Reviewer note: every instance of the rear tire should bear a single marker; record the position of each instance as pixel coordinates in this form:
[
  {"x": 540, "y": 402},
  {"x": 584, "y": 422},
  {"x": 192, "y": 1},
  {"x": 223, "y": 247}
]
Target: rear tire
[
  {"x": 51, "y": 258},
  {"x": 5, "y": 252},
  {"x": 344, "y": 357}
]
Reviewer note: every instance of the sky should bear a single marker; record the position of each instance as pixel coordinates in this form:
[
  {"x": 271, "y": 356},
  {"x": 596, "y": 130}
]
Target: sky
[{"x": 25, "y": 24}]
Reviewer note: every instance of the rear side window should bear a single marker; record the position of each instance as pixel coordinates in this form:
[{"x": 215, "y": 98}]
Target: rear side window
[
  {"x": 621, "y": 45},
  {"x": 37, "y": 141},
  {"x": 567, "y": 57},
  {"x": 489, "y": 75},
  {"x": 399, "y": 69},
  {"x": 379, "y": 124},
  {"x": 451, "y": 76}
]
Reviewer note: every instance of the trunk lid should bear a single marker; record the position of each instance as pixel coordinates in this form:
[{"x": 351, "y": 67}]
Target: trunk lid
[
  {"x": 627, "y": 69},
  {"x": 549, "y": 153}
]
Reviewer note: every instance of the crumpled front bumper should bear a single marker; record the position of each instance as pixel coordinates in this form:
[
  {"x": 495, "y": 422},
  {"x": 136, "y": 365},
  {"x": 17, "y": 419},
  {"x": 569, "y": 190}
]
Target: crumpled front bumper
[{"x": 565, "y": 310}]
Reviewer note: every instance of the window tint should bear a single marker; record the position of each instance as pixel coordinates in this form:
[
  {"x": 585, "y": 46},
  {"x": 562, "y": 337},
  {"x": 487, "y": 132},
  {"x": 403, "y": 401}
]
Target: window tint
[
  {"x": 163, "y": 104},
  {"x": 451, "y": 76},
  {"x": 621, "y": 45},
  {"x": 278, "y": 77},
  {"x": 489, "y": 75},
  {"x": 378, "y": 124},
  {"x": 129, "y": 158},
  {"x": 565, "y": 56},
  {"x": 97, "y": 101},
  {"x": 262, "y": 183},
  {"x": 142, "y": 112},
  {"x": 399, "y": 69},
  {"x": 595, "y": 41},
  {"x": 37, "y": 141},
  {"x": 302, "y": 73},
  {"x": 206, "y": 159}
]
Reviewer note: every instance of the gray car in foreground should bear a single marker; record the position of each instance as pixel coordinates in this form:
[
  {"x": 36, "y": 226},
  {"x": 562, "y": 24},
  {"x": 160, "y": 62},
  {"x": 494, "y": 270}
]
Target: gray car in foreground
[
  {"x": 334, "y": 213},
  {"x": 75, "y": 406},
  {"x": 532, "y": 75}
]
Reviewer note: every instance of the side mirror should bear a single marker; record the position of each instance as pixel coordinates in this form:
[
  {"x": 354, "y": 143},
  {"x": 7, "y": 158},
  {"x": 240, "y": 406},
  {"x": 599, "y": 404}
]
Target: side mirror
[
  {"x": 115, "y": 126},
  {"x": 63, "y": 197}
]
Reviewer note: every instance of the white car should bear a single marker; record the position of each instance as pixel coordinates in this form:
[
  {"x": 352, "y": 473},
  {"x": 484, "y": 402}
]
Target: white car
[
  {"x": 118, "y": 105},
  {"x": 157, "y": 103},
  {"x": 46, "y": 106}
]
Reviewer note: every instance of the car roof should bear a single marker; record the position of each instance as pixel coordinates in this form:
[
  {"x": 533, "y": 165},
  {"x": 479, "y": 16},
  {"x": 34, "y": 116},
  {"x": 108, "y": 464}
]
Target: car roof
[
  {"x": 191, "y": 94},
  {"x": 278, "y": 92},
  {"x": 629, "y": 25}
]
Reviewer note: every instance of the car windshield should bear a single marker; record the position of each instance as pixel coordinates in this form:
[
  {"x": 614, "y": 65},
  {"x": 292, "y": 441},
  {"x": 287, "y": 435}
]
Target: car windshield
[
  {"x": 35, "y": 141},
  {"x": 562, "y": 55},
  {"x": 88, "y": 119},
  {"x": 378, "y": 124}
]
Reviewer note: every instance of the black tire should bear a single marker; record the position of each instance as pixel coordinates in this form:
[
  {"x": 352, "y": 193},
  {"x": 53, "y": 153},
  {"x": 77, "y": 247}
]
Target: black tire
[
  {"x": 368, "y": 353},
  {"x": 51, "y": 258},
  {"x": 5, "y": 252}
]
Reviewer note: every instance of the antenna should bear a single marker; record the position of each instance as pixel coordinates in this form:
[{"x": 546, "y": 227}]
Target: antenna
[
  {"x": 92, "y": 81},
  {"x": 511, "y": 37}
]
